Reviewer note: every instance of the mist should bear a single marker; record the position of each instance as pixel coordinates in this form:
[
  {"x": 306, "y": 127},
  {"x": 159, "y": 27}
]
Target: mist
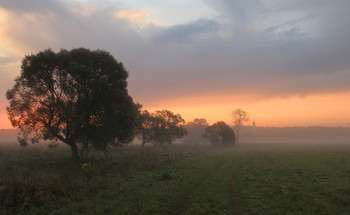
[
  {"x": 296, "y": 135},
  {"x": 253, "y": 135}
]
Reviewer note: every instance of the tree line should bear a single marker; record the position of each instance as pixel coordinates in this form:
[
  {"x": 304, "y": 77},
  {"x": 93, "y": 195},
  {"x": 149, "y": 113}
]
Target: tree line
[{"x": 80, "y": 97}]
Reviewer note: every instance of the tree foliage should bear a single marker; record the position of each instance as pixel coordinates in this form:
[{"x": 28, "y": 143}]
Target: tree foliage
[
  {"x": 76, "y": 96},
  {"x": 220, "y": 134},
  {"x": 239, "y": 116},
  {"x": 161, "y": 127},
  {"x": 146, "y": 126},
  {"x": 197, "y": 122}
]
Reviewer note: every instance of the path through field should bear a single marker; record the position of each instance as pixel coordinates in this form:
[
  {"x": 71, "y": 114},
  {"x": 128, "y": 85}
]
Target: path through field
[
  {"x": 215, "y": 190},
  {"x": 202, "y": 184},
  {"x": 236, "y": 203},
  {"x": 227, "y": 181}
]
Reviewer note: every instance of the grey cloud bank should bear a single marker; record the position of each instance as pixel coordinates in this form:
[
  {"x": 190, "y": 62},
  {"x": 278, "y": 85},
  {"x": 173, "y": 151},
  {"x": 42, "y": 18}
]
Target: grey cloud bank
[{"x": 275, "y": 48}]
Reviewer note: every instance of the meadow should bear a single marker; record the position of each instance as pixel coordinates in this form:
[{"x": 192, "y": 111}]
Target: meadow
[{"x": 178, "y": 179}]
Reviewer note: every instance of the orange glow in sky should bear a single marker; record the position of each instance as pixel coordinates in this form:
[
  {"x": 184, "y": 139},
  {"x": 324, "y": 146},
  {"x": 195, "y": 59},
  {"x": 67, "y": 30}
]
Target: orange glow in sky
[
  {"x": 4, "y": 122},
  {"x": 332, "y": 109},
  {"x": 199, "y": 64}
]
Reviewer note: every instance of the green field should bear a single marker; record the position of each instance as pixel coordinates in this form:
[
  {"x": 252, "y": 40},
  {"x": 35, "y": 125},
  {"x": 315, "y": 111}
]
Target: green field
[{"x": 247, "y": 179}]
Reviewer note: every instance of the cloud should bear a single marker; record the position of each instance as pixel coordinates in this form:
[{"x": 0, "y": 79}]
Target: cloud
[
  {"x": 34, "y": 6},
  {"x": 277, "y": 48},
  {"x": 189, "y": 32},
  {"x": 138, "y": 17},
  {"x": 269, "y": 48}
]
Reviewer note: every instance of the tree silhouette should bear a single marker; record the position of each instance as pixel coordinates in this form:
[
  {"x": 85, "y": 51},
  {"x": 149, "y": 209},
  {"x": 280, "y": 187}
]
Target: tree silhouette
[
  {"x": 75, "y": 96},
  {"x": 146, "y": 126},
  {"x": 161, "y": 127},
  {"x": 239, "y": 116},
  {"x": 220, "y": 134}
]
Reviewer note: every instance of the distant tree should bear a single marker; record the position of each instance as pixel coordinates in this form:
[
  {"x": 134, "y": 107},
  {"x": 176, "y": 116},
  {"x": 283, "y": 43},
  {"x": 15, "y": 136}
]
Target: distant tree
[
  {"x": 146, "y": 126},
  {"x": 161, "y": 127},
  {"x": 239, "y": 116},
  {"x": 220, "y": 134},
  {"x": 170, "y": 127},
  {"x": 195, "y": 129},
  {"x": 76, "y": 96},
  {"x": 198, "y": 122}
]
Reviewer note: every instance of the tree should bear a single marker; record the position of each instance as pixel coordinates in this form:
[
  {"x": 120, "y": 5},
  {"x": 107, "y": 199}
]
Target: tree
[
  {"x": 196, "y": 129},
  {"x": 76, "y": 96},
  {"x": 161, "y": 127},
  {"x": 220, "y": 134},
  {"x": 146, "y": 126},
  {"x": 239, "y": 116},
  {"x": 198, "y": 122}
]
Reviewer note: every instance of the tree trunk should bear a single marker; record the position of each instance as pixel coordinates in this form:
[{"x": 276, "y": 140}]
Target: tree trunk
[{"x": 75, "y": 153}]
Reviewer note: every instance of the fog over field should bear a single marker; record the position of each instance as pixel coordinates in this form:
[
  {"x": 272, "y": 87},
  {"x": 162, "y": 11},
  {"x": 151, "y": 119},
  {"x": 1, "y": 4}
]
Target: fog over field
[
  {"x": 314, "y": 135},
  {"x": 261, "y": 135},
  {"x": 8, "y": 135}
]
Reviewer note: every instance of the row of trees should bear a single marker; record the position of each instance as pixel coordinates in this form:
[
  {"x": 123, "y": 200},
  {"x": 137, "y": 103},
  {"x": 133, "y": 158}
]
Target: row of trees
[
  {"x": 80, "y": 97},
  {"x": 160, "y": 127}
]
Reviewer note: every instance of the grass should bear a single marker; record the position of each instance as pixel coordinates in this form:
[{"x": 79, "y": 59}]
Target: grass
[
  {"x": 178, "y": 180},
  {"x": 297, "y": 180}
]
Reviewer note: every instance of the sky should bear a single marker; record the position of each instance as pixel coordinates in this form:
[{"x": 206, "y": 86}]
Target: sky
[{"x": 285, "y": 62}]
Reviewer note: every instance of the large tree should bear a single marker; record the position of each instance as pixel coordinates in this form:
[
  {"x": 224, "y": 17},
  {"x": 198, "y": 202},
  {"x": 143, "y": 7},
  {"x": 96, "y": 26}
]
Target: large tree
[
  {"x": 76, "y": 96},
  {"x": 239, "y": 116},
  {"x": 220, "y": 134},
  {"x": 161, "y": 127}
]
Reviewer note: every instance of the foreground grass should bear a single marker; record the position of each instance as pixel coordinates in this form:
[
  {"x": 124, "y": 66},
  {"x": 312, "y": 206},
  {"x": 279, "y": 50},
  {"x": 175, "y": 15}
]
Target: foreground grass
[
  {"x": 133, "y": 180},
  {"x": 178, "y": 180},
  {"x": 196, "y": 185},
  {"x": 297, "y": 180}
]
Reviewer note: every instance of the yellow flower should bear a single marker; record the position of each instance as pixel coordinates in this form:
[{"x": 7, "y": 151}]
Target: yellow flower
[{"x": 85, "y": 165}]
